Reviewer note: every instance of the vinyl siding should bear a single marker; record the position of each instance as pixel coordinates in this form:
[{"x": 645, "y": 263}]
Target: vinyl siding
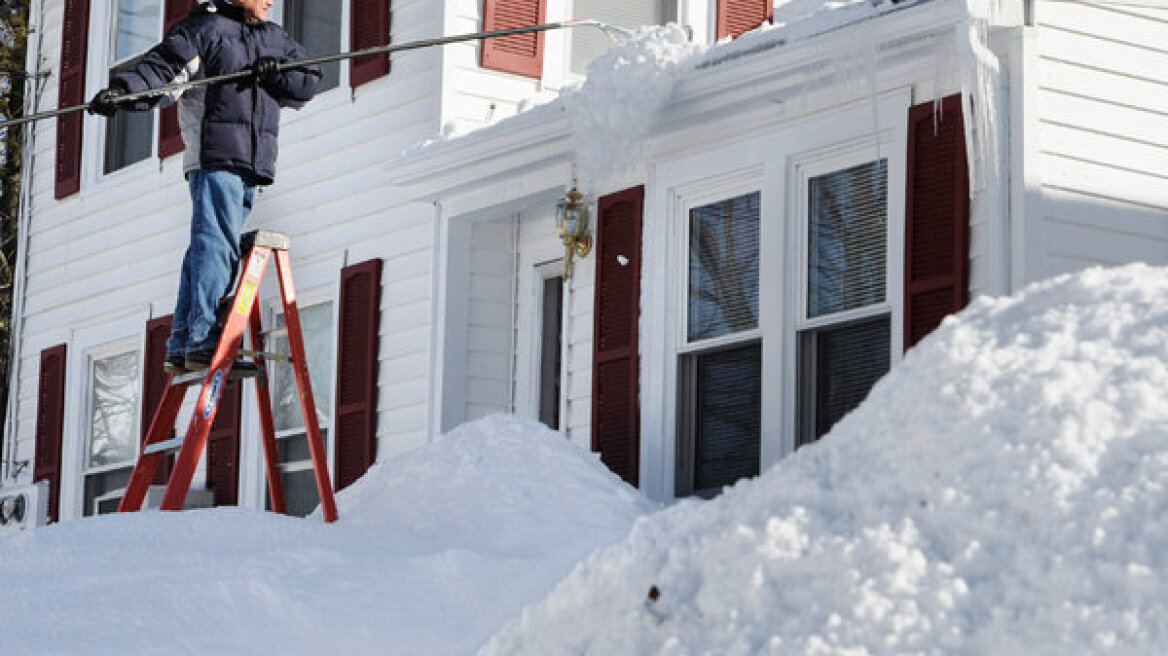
[{"x": 1103, "y": 135}]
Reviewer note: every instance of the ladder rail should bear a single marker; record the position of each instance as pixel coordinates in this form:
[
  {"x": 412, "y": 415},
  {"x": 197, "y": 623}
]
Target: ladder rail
[
  {"x": 160, "y": 427},
  {"x": 267, "y": 422},
  {"x": 304, "y": 386}
]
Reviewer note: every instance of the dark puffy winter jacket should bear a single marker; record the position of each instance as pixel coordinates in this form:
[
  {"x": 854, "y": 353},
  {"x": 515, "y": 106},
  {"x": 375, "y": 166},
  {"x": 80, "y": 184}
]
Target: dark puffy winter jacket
[{"x": 231, "y": 125}]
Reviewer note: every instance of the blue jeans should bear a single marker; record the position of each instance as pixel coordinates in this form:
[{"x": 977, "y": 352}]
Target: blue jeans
[{"x": 221, "y": 202}]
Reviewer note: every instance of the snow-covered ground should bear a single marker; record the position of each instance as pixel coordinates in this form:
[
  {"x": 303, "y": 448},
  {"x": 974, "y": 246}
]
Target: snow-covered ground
[
  {"x": 1003, "y": 491},
  {"x": 432, "y": 553}
]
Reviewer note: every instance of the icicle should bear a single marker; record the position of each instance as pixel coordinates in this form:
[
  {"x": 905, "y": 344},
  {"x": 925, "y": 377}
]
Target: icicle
[{"x": 980, "y": 72}]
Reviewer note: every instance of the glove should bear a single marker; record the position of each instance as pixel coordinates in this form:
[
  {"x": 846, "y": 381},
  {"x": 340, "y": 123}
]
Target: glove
[
  {"x": 106, "y": 101},
  {"x": 265, "y": 71}
]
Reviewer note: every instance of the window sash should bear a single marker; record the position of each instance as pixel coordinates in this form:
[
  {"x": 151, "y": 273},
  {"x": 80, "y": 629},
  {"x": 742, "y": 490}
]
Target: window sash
[
  {"x": 847, "y": 239},
  {"x": 315, "y": 24},
  {"x": 723, "y": 289},
  {"x": 837, "y": 367},
  {"x": 129, "y": 136},
  {"x": 721, "y": 422}
]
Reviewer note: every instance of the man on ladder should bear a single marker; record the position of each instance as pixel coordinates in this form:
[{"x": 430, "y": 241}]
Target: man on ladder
[{"x": 230, "y": 131}]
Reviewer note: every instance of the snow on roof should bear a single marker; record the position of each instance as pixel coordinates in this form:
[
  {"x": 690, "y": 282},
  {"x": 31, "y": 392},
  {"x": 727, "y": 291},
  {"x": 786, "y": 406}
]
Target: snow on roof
[
  {"x": 616, "y": 105},
  {"x": 1002, "y": 491}
]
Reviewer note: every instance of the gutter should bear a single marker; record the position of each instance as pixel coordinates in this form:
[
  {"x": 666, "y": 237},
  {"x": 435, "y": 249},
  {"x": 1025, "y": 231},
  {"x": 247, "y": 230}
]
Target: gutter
[{"x": 24, "y": 213}]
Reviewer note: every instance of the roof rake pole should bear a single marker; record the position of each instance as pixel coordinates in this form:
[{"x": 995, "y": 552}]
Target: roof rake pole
[{"x": 376, "y": 50}]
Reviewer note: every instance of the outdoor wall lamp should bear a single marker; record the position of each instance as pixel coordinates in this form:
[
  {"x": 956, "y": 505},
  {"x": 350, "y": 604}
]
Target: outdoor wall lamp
[{"x": 572, "y": 227}]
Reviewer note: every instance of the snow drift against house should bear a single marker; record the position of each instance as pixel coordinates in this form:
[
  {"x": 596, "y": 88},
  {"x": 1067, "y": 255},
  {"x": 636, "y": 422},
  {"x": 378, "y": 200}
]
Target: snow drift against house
[
  {"x": 432, "y": 553},
  {"x": 1002, "y": 491}
]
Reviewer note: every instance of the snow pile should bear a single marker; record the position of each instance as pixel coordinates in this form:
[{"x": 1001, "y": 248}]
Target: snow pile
[
  {"x": 1003, "y": 491},
  {"x": 433, "y": 552}
]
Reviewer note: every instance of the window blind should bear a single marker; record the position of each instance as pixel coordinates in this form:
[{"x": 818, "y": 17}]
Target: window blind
[
  {"x": 847, "y": 238},
  {"x": 839, "y": 365},
  {"x": 728, "y": 417},
  {"x": 723, "y": 267}
]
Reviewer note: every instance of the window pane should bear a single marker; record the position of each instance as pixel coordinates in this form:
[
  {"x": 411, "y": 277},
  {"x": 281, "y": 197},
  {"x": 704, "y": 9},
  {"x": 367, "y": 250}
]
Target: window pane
[
  {"x": 723, "y": 267},
  {"x": 138, "y": 26},
  {"x": 129, "y": 138},
  {"x": 316, "y": 322},
  {"x": 838, "y": 367},
  {"x": 728, "y": 417},
  {"x": 113, "y": 409},
  {"x": 316, "y": 24},
  {"x": 549, "y": 354},
  {"x": 847, "y": 238},
  {"x": 299, "y": 478},
  {"x": 100, "y": 485}
]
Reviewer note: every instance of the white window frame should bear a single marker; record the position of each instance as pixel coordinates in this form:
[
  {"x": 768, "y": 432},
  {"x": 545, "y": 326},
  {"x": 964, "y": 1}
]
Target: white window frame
[
  {"x": 84, "y": 345},
  {"x": 705, "y": 192},
  {"x": 771, "y": 154},
  {"x": 99, "y": 63},
  {"x": 889, "y": 145}
]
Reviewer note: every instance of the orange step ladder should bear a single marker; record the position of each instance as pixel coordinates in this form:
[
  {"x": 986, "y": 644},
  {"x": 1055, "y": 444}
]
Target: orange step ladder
[{"x": 259, "y": 247}]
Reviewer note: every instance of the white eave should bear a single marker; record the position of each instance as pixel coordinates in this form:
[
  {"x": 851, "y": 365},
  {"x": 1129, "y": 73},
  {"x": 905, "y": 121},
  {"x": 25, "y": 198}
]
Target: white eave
[{"x": 515, "y": 158}]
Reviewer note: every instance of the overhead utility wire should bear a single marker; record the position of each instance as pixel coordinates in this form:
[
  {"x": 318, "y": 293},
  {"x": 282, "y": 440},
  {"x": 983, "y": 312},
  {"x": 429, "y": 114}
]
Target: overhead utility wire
[{"x": 376, "y": 50}]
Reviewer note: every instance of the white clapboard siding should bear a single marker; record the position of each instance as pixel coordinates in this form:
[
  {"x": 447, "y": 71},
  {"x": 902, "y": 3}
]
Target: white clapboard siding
[
  {"x": 491, "y": 318},
  {"x": 1102, "y": 94},
  {"x": 115, "y": 248}
]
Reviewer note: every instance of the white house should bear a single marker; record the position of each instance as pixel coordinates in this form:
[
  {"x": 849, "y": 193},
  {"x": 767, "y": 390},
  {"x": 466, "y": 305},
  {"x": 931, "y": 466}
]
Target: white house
[{"x": 775, "y": 217}]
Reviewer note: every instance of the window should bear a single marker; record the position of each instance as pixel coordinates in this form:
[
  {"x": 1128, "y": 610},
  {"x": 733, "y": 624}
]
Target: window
[
  {"x": 113, "y": 429},
  {"x": 844, "y": 337},
  {"x": 551, "y": 338},
  {"x": 129, "y": 136},
  {"x": 316, "y": 323},
  {"x": 589, "y": 44},
  {"x": 720, "y": 367},
  {"x": 315, "y": 24}
]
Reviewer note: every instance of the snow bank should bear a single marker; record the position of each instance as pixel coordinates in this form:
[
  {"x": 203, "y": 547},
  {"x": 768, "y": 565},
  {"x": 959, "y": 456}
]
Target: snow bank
[
  {"x": 433, "y": 552},
  {"x": 1003, "y": 491}
]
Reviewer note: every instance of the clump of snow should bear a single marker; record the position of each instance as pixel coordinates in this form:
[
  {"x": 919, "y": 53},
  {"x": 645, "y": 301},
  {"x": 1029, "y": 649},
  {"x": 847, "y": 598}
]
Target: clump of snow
[
  {"x": 618, "y": 103},
  {"x": 1002, "y": 491},
  {"x": 432, "y": 553}
]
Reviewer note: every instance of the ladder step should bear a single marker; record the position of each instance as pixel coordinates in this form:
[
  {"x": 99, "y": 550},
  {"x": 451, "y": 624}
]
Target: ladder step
[
  {"x": 173, "y": 444},
  {"x": 198, "y": 376},
  {"x": 274, "y": 333},
  {"x": 273, "y": 240},
  {"x": 267, "y": 355}
]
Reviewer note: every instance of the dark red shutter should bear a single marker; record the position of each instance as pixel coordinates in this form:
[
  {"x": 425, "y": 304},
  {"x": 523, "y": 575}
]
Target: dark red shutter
[
  {"x": 154, "y": 384},
  {"x": 368, "y": 28},
  {"x": 50, "y": 424},
  {"x": 356, "y": 412},
  {"x": 518, "y": 53},
  {"x": 616, "y": 428},
  {"x": 169, "y": 138},
  {"x": 738, "y": 16},
  {"x": 223, "y": 448},
  {"x": 937, "y": 218},
  {"x": 71, "y": 91}
]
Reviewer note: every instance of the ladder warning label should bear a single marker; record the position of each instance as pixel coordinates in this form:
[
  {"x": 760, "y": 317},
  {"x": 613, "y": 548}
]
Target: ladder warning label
[{"x": 247, "y": 291}]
